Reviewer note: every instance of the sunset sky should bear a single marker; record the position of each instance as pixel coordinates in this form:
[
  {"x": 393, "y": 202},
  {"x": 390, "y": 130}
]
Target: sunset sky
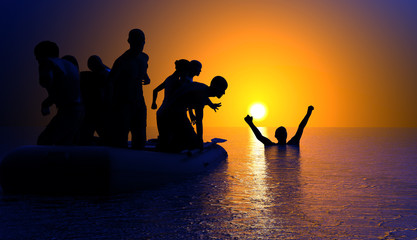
[{"x": 354, "y": 61}]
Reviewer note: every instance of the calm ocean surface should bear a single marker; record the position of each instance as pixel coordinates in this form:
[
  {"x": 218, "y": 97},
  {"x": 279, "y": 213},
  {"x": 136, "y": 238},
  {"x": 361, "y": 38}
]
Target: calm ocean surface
[{"x": 342, "y": 183}]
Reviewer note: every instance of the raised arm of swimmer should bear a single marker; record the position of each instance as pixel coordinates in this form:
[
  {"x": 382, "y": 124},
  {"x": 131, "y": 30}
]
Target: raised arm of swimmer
[
  {"x": 255, "y": 130},
  {"x": 281, "y": 132},
  {"x": 296, "y": 139}
]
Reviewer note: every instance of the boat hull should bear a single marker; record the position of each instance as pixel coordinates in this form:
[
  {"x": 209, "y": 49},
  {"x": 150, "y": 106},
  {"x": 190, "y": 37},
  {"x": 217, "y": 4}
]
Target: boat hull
[{"x": 98, "y": 170}]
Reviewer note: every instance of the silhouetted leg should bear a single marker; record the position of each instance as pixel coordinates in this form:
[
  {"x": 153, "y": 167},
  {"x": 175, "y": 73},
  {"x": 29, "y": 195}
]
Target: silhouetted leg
[
  {"x": 87, "y": 130},
  {"x": 49, "y": 135},
  {"x": 164, "y": 131},
  {"x": 184, "y": 136},
  {"x": 138, "y": 126},
  {"x": 118, "y": 129}
]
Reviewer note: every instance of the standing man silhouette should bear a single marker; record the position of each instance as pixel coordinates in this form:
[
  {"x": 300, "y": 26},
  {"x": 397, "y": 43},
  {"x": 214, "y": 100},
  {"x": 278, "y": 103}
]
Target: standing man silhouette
[{"x": 128, "y": 74}]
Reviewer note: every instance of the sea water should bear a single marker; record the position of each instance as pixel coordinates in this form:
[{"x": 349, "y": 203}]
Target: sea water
[{"x": 341, "y": 183}]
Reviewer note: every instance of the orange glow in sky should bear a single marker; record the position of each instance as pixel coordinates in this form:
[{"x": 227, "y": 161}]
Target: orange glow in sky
[{"x": 353, "y": 61}]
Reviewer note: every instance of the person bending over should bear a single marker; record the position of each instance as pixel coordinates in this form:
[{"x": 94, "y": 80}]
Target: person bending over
[
  {"x": 62, "y": 81},
  {"x": 180, "y": 134}
]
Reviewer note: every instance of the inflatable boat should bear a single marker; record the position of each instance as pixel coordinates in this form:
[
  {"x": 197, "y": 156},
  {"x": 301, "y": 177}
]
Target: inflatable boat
[{"x": 99, "y": 170}]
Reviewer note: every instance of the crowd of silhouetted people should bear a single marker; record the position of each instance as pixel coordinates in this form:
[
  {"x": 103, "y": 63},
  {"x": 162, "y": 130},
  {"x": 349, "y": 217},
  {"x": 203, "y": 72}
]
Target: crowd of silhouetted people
[{"x": 101, "y": 106}]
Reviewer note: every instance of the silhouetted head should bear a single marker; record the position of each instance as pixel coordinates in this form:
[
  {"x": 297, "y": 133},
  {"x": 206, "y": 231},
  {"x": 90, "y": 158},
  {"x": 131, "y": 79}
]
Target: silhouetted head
[
  {"x": 195, "y": 68},
  {"x": 95, "y": 64},
  {"x": 46, "y": 49},
  {"x": 281, "y": 135},
  {"x": 218, "y": 85},
  {"x": 182, "y": 66},
  {"x": 72, "y": 60},
  {"x": 136, "y": 39}
]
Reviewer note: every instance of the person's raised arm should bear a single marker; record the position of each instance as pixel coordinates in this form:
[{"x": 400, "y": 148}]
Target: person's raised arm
[
  {"x": 296, "y": 139},
  {"x": 155, "y": 94},
  {"x": 258, "y": 134}
]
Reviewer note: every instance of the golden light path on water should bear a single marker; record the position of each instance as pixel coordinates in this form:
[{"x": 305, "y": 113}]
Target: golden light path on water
[
  {"x": 260, "y": 200},
  {"x": 248, "y": 196}
]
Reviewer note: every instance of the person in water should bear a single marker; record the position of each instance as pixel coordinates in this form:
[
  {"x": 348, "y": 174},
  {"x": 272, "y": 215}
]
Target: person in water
[
  {"x": 193, "y": 96},
  {"x": 281, "y": 132},
  {"x": 95, "y": 94},
  {"x": 62, "y": 81},
  {"x": 128, "y": 74}
]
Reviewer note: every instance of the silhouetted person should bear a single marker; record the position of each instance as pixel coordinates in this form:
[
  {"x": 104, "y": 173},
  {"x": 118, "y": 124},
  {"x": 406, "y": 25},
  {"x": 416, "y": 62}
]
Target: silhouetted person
[
  {"x": 184, "y": 73},
  {"x": 193, "y": 96},
  {"x": 171, "y": 83},
  {"x": 195, "y": 70},
  {"x": 281, "y": 132},
  {"x": 48, "y": 102},
  {"x": 128, "y": 74},
  {"x": 170, "y": 86},
  {"x": 95, "y": 92},
  {"x": 62, "y": 82}
]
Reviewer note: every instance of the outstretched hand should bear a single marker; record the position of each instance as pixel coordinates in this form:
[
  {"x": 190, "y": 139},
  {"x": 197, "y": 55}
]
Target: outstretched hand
[
  {"x": 146, "y": 81},
  {"x": 310, "y": 108},
  {"x": 248, "y": 119},
  {"x": 215, "y": 106}
]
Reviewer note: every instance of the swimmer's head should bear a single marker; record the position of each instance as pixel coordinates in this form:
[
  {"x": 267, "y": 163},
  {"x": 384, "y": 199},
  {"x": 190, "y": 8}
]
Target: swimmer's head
[{"x": 281, "y": 134}]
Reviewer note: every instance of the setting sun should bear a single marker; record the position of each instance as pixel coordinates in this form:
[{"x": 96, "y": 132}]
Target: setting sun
[{"x": 258, "y": 111}]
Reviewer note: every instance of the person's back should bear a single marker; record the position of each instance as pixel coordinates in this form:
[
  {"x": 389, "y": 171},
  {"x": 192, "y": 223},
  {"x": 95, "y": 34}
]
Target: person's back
[
  {"x": 94, "y": 88},
  {"x": 66, "y": 84},
  {"x": 190, "y": 96},
  {"x": 95, "y": 94},
  {"x": 172, "y": 84},
  {"x": 127, "y": 74}
]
